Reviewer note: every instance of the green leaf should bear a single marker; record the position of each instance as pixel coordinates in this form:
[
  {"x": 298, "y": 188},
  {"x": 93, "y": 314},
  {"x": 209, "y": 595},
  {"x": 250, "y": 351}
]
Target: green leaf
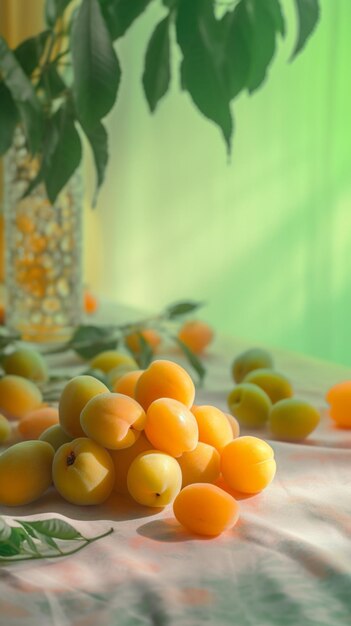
[
  {"x": 55, "y": 9},
  {"x": 182, "y": 308},
  {"x": 119, "y": 15},
  {"x": 12, "y": 545},
  {"x": 63, "y": 152},
  {"x": 96, "y": 67},
  {"x": 157, "y": 72},
  {"x": 236, "y": 57},
  {"x": 5, "y": 530},
  {"x": 51, "y": 81},
  {"x": 308, "y": 16},
  {"x": 88, "y": 341},
  {"x": 98, "y": 140},
  {"x": 273, "y": 7},
  {"x": 56, "y": 528},
  {"x": 23, "y": 94},
  {"x": 199, "y": 37},
  {"x": 30, "y": 51},
  {"x": 144, "y": 357},
  {"x": 8, "y": 118},
  {"x": 192, "y": 359}
]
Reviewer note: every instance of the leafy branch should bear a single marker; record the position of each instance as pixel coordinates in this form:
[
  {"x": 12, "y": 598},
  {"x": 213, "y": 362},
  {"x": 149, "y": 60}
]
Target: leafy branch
[
  {"x": 221, "y": 57},
  {"x": 34, "y": 540}
]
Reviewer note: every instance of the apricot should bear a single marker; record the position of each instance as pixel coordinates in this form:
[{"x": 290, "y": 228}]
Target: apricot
[
  {"x": 234, "y": 424},
  {"x": 171, "y": 427},
  {"x": 205, "y": 509},
  {"x": 74, "y": 397},
  {"x": 339, "y": 400},
  {"x": 91, "y": 303},
  {"x": 276, "y": 385},
  {"x": 18, "y": 396},
  {"x": 201, "y": 465},
  {"x": 27, "y": 363},
  {"x": 127, "y": 383},
  {"x": 151, "y": 337},
  {"x": 154, "y": 478},
  {"x": 214, "y": 427},
  {"x": 113, "y": 420},
  {"x": 34, "y": 423},
  {"x": 55, "y": 436},
  {"x": 249, "y": 404},
  {"x": 247, "y": 464},
  {"x": 165, "y": 379},
  {"x": 5, "y": 429},
  {"x": 117, "y": 372},
  {"x": 110, "y": 359},
  {"x": 293, "y": 419},
  {"x": 83, "y": 472},
  {"x": 25, "y": 472},
  {"x": 253, "y": 359},
  {"x": 123, "y": 459},
  {"x": 196, "y": 335}
]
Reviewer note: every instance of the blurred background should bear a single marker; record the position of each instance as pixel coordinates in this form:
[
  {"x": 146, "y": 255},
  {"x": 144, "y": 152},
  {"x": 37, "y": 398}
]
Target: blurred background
[{"x": 264, "y": 237}]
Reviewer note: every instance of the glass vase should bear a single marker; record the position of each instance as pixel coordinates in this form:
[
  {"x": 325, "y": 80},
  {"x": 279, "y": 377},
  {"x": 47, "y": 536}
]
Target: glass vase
[{"x": 43, "y": 260}]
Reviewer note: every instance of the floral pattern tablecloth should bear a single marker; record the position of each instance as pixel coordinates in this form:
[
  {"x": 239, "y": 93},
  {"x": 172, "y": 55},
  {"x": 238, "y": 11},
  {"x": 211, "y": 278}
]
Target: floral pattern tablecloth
[{"x": 288, "y": 560}]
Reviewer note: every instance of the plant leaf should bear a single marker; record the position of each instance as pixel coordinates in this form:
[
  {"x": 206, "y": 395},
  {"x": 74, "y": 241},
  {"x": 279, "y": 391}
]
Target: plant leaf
[
  {"x": 308, "y": 16},
  {"x": 98, "y": 140},
  {"x": 8, "y": 118},
  {"x": 54, "y": 9},
  {"x": 57, "y": 528},
  {"x": 96, "y": 67},
  {"x": 273, "y": 7},
  {"x": 236, "y": 58},
  {"x": 12, "y": 545},
  {"x": 5, "y": 530},
  {"x": 51, "y": 81},
  {"x": 87, "y": 341},
  {"x": 23, "y": 94},
  {"x": 120, "y": 14},
  {"x": 182, "y": 308},
  {"x": 63, "y": 152},
  {"x": 144, "y": 357},
  {"x": 192, "y": 359},
  {"x": 199, "y": 37},
  {"x": 157, "y": 71},
  {"x": 30, "y": 51}
]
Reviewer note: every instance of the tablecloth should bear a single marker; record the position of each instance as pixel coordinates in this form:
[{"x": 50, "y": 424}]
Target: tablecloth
[{"x": 286, "y": 562}]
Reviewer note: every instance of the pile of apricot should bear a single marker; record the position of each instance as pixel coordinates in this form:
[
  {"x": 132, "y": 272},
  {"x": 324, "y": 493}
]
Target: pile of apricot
[{"x": 143, "y": 437}]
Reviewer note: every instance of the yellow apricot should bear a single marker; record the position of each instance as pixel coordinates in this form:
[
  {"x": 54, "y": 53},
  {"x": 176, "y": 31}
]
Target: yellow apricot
[
  {"x": 154, "y": 478},
  {"x": 5, "y": 429},
  {"x": 27, "y": 363},
  {"x": 165, "y": 379},
  {"x": 151, "y": 337},
  {"x": 171, "y": 427},
  {"x": 117, "y": 372},
  {"x": 123, "y": 459},
  {"x": 110, "y": 359},
  {"x": 127, "y": 383},
  {"x": 25, "y": 472},
  {"x": 74, "y": 397},
  {"x": 234, "y": 424},
  {"x": 247, "y": 464},
  {"x": 83, "y": 472},
  {"x": 205, "y": 509},
  {"x": 276, "y": 385},
  {"x": 18, "y": 396},
  {"x": 196, "y": 335},
  {"x": 113, "y": 420},
  {"x": 55, "y": 436},
  {"x": 34, "y": 423},
  {"x": 201, "y": 465},
  {"x": 214, "y": 427}
]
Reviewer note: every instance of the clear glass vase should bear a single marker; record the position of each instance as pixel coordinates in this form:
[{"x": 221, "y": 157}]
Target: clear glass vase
[{"x": 43, "y": 260}]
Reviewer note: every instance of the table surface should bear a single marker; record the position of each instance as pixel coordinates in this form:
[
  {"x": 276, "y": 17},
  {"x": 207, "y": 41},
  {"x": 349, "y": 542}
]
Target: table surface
[{"x": 287, "y": 561}]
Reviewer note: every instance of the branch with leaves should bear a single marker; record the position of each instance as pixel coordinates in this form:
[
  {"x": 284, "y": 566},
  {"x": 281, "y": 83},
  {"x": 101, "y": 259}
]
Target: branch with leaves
[{"x": 64, "y": 81}]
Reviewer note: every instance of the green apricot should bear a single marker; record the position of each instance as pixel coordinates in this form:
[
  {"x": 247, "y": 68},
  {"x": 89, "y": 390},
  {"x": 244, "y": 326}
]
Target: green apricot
[
  {"x": 292, "y": 419},
  {"x": 253, "y": 359},
  {"x": 27, "y": 363},
  {"x": 249, "y": 404},
  {"x": 276, "y": 385},
  {"x": 55, "y": 436}
]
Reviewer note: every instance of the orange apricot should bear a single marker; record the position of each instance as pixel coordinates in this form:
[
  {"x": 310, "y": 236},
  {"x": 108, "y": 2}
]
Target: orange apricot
[
  {"x": 201, "y": 465},
  {"x": 165, "y": 379},
  {"x": 91, "y": 303},
  {"x": 247, "y": 464},
  {"x": 126, "y": 384},
  {"x": 32, "y": 425},
  {"x": 205, "y": 509},
  {"x": 196, "y": 335},
  {"x": 234, "y": 424},
  {"x": 214, "y": 427},
  {"x": 171, "y": 427},
  {"x": 123, "y": 459},
  {"x": 151, "y": 337},
  {"x": 339, "y": 400}
]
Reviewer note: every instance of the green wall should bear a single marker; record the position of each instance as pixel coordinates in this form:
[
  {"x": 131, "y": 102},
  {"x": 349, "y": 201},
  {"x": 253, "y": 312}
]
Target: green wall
[{"x": 264, "y": 239}]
